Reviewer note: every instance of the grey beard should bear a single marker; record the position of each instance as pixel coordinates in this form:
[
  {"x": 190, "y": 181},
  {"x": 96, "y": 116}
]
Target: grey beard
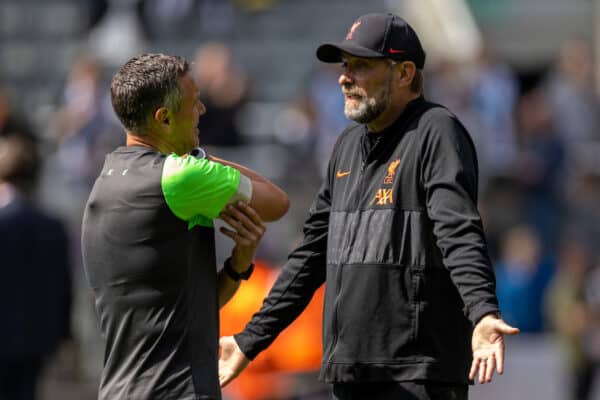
[{"x": 370, "y": 108}]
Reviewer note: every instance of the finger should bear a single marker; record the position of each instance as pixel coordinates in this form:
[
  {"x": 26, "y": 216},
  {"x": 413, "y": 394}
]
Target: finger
[
  {"x": 473, "y": 371},
  {"x": 251, "y": 212},
  {"x": 242, "y": 241},
  {"x": 482, "y": 369},
  {"x": 500, "y": 359},
  {"x": 240, "y": 214},
  {"x": 489, "y": 369},
  {"x": 225, "y": 377},
  {"x": 238, "y": 226},
  {"x": 507, "y": 329}
]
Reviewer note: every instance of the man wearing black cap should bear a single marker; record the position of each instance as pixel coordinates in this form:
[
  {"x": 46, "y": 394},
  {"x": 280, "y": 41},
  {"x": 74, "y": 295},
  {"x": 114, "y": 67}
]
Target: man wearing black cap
[{"x": 410, "y": 306}]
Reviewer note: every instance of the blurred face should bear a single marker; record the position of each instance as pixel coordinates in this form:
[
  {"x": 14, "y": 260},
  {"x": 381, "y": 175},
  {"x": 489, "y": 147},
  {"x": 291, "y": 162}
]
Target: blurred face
[
  {"x": 366, "y": 84},
  {"x": 183, "y": 122}
]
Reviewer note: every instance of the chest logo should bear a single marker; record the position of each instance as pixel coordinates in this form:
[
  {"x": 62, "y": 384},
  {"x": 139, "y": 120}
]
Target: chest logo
[
  {"x": 383, "y": 197},
  {"x": 340, "y": 174},
  {"x": 391, "y": 172}
]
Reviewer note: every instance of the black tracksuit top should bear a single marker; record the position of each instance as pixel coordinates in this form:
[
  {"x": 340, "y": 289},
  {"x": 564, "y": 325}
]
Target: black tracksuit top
[{"x": 395, "y": 233}]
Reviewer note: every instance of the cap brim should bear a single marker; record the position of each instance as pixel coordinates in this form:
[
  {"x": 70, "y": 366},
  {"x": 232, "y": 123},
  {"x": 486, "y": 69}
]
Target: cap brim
[{"x": 332, "y": 52}]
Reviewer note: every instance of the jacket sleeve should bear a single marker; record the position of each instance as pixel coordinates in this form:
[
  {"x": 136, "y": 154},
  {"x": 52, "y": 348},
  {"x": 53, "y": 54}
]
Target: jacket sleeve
[
  {"x": 449, "y": 177},
  {"x": 301, "y": 276}
]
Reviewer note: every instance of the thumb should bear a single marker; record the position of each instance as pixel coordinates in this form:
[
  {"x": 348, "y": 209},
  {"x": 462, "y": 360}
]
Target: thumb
[{"x": 503, "y": 327}]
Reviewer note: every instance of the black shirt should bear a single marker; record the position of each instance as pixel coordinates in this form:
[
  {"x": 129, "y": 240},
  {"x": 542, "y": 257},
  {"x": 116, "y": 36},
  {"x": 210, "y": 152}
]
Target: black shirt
[{"x": 155, "y": 285}]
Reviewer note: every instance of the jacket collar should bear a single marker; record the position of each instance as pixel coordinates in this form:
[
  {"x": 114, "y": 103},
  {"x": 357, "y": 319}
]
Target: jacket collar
[{"x": 393, "y": 133}]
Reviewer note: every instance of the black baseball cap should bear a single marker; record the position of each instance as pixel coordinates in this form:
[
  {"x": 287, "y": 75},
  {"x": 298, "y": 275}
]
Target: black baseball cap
[{"x": 377, "y": 35}]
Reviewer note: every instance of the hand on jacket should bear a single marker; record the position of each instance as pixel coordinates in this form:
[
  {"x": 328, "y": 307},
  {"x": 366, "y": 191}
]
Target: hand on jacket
[
  {"x": 231, "y": 360},
  {"x": 488, "y": 347}
]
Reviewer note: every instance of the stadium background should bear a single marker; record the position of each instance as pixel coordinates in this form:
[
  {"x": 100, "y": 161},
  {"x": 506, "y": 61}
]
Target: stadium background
[{"x": 521, "y": 74}]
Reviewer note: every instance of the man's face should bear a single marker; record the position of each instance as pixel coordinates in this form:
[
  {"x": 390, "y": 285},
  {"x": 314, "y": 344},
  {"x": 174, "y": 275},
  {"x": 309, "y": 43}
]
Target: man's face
[
  {"x": 184, "y": 122},
  {"x": 366, "y": 84}
]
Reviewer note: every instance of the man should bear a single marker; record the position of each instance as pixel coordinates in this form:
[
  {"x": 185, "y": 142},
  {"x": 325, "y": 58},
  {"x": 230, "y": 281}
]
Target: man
[
  {"x": 148, "y": 238},
  {"x": 395, "y": 232},
  {"x": 35, "y": 289}
]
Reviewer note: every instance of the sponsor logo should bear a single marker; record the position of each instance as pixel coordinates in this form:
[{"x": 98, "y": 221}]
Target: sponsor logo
[
  {"x": 340, "y": 174},
  {"x": 383, "y": 197}
]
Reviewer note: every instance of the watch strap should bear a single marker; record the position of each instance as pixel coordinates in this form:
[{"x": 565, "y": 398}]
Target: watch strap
[{"x": 237, "y": 276}]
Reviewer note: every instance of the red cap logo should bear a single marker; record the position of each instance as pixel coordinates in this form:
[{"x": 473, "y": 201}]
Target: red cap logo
[{"x": 350, "y": 34}]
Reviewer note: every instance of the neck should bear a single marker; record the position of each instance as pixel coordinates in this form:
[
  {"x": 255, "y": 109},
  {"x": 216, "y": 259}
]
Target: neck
[
  {"x": 391, "y": 113},
  {"x": 150, "y": 140}
]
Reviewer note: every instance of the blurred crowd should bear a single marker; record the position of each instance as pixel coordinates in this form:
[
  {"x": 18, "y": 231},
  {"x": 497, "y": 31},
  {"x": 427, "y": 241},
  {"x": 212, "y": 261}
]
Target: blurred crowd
[{"x": 537, "y": 136}]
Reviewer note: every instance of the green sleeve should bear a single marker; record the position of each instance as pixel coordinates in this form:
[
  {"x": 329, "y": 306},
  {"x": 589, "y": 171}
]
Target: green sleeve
[{"x": 197, "y": 188}]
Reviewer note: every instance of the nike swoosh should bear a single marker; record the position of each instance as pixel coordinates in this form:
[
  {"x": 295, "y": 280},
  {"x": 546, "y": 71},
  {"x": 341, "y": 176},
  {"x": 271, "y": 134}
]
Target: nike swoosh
[
  {"x": 394, "y": 51},
  {"x": 341, "y": 174}
]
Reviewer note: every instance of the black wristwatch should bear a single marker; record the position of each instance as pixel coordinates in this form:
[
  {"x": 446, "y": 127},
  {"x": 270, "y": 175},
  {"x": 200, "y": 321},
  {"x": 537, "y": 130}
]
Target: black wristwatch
[{"x": 237, "y": 276}]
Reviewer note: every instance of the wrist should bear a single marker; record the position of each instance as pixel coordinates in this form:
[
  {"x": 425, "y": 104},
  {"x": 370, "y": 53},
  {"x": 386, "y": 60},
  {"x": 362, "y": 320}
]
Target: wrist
[{"x": 236, "y": 274}]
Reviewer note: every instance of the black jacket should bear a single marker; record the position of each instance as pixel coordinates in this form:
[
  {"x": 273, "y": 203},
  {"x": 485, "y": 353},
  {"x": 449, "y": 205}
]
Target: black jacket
[{"x": 396, "y": 234}]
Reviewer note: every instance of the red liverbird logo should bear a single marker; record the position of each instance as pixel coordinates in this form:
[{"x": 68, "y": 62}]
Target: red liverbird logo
[{"x": 350, "y": 34}]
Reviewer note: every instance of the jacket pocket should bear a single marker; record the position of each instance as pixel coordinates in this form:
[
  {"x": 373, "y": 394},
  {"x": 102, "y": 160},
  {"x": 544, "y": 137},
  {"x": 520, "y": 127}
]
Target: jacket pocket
[{"x": 376, "y": 313}]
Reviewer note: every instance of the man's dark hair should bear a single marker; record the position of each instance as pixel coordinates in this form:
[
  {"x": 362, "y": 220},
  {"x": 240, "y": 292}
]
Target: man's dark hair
[
  {"x": 145, "y": 83},
  {"x": 19, "y": 161}
]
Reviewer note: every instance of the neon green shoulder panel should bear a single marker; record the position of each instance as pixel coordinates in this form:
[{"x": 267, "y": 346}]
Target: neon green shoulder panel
[{"x": 196, "y": 190}]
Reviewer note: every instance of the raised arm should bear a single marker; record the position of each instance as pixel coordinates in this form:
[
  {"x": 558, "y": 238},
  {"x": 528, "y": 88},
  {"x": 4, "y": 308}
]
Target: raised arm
[{"x": 268, "y": 200}]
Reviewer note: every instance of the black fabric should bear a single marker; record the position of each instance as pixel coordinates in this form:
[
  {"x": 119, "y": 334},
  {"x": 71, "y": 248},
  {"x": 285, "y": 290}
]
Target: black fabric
[
  {"x": 399, "y": 391},
  {"x": 35, "y": 295},
  {"x": 377, "y": 35},
  {"x": 398, "y": 238},
  {"x": 19, "y": 378},
  {"x": 155, "y": 285},
  {"x": 35, "y": 289}
]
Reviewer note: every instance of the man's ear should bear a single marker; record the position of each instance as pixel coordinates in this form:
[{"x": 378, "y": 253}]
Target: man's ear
[
  {"x": 408, "y": 70},
  {"x": 161, "y": 115}
]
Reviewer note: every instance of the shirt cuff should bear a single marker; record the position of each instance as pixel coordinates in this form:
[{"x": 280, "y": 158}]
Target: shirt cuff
[
  {"x": 481, "y": 311},
  {"x": 246, "y": 344},
  {"x": 244, "y": 191}
]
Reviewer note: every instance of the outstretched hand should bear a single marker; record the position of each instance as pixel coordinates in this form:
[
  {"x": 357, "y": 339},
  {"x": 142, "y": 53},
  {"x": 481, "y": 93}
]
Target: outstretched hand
[
  {"x": 488, "y": 347},
  {"x": 231, "y": 360}
]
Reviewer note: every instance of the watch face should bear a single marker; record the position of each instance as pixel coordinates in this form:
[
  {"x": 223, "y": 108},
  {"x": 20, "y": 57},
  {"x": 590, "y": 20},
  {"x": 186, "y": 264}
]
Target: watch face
[{"x": 198, "y": 152}]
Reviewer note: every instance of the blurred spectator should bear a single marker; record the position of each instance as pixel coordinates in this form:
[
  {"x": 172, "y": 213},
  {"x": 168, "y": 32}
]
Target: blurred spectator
[
  {"x": 119, "y": 32},
  {"x": 328, "y": 104},
  {"x": 575, "y": 107},
  {"x": 35, "y": 289},
  {"x": 223, "y": 90},
  {"x": 84, "y": 129},
  {"x": 583, "y": 212},
  {"x": 11, "y": 123},
  {"x": 255, "y": 5},
  {"x": 494, "y": 98},
  {"x": 539, "y": 167},
  {"x": 165, "y": 17},
  {"x": 295, "y": 127},
  {"x": 569, "y": 313},
  {"x": 450, "y": 83},
  {"x": 522, "y": 275}
]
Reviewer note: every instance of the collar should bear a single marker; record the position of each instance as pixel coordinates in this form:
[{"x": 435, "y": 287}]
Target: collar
[{"x": 410, "y": 108}]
